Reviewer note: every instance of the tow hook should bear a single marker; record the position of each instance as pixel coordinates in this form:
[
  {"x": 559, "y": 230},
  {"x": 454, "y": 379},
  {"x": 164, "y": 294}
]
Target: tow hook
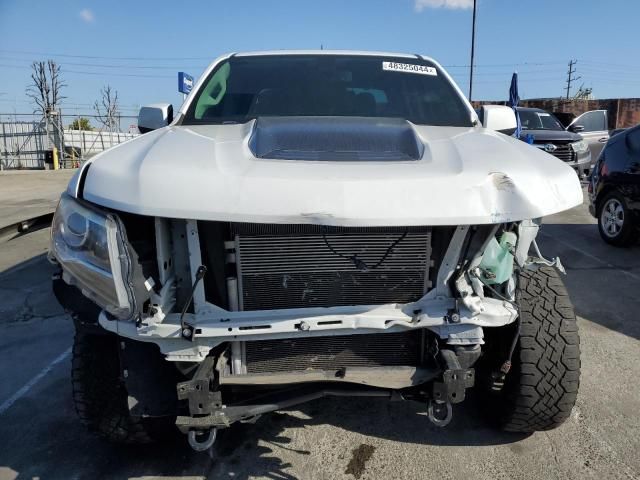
[
  {"x": 455, "y": 381},
  {"x": 201, "y": 441},
  {"x": 440, "y": 412}
]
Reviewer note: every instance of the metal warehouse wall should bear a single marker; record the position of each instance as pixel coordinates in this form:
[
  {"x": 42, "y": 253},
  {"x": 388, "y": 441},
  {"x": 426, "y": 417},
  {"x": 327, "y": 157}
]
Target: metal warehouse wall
[
  {"x": 94, "y": 142},
  {"x": 25, "y": 144}
]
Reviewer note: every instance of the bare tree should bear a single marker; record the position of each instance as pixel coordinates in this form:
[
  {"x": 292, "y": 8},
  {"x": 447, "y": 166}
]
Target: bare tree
[
  {"x": 108, "y": 110},
  {"x": 46, "y": 86}
]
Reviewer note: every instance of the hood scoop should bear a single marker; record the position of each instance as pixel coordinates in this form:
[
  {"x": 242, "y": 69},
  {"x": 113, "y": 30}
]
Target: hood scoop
[{"x": 337, "y": 139}]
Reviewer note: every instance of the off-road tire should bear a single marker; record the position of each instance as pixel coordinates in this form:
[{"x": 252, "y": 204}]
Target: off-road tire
[
  {"x": 99, "y": 394},
  {"x": 542, "y": 386},
  {"x": 628, "y": 233}
]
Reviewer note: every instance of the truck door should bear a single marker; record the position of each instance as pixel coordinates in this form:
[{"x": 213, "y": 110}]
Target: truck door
[{"x": 595, "y": 130}]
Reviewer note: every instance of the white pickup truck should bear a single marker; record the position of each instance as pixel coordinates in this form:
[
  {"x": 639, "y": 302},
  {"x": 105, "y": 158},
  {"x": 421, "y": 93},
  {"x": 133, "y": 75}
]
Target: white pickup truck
[{"x": 315, "y": 223}]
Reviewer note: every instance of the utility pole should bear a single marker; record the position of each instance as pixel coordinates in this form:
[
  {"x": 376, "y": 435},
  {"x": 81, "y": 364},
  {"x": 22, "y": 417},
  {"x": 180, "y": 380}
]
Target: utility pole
[
  {"x": 570, "y": 77},
  {"x": 473, "y": 47}
]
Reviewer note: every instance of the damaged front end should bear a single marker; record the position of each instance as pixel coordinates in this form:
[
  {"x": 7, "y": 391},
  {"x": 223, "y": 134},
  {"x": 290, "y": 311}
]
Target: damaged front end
[{"x": 260, "y": 317}]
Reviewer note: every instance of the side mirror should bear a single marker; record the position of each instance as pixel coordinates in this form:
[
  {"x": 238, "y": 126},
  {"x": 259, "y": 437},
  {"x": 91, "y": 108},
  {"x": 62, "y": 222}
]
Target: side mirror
[
  {"x": 154, "y": 116},
  {"x": 499, "y": 118},
  {"x": 576, "y": 128}
]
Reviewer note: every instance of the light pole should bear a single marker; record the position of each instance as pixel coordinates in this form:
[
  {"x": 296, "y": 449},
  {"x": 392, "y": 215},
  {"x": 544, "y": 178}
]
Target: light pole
[{"x": 473, "y": 46}]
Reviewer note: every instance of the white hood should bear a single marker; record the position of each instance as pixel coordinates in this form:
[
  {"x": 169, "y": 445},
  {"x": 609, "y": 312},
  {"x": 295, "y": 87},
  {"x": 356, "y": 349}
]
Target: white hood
[{"x": 465, "y": 176}]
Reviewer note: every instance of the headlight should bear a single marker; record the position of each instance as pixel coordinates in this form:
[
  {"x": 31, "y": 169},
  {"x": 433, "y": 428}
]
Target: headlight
[
  {"x": 90, "y": 248},
  {"x": 580, "y": 146}
]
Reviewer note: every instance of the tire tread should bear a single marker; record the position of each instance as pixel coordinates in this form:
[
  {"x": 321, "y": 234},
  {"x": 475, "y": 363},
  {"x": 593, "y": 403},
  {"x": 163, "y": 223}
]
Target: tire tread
[
  {"x": 99, "y": 396},
  {"x": 543, "y": 389}
]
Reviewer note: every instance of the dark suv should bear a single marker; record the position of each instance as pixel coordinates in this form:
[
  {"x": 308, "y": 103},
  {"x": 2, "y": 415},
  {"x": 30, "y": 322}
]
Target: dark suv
[
  {"x": 614, "y": 189},
  {"x": 544, "y": 131}
]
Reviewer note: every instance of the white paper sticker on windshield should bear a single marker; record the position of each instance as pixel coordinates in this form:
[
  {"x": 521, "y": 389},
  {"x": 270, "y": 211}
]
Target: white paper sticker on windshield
[{"x": 409, "y": 68}]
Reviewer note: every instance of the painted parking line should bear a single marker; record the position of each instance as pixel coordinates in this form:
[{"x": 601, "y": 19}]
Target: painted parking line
[
  {"x": 8, "y": 403},
  {"x": 591, "y": 256}
]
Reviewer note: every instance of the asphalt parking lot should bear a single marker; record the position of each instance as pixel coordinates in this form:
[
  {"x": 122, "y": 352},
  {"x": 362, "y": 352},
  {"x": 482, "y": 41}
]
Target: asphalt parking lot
[
  {"x": 28, "y": 194},
  {"x": 335, "y": 438}
]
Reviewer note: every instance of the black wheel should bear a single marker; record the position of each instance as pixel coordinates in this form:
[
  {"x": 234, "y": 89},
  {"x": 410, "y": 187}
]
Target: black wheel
[
  {"x": 541, "y": 388},
  {"x": 100, "y": 397},
  {"x": 614, "y": 221}
]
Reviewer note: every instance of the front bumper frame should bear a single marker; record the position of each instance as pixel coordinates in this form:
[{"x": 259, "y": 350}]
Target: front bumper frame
[{"x": 212, "y": 329}]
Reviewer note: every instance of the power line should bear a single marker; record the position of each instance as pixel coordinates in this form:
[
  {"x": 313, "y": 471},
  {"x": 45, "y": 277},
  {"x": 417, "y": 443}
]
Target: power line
[
  {"x": 509, "y": 72},
  {"x": 98, "y": 73},
  {"x": 570, "y": 77},
  {"x": 614, "y": 81},
  {"x": 99, "y": 65},
  {"x": 610, "y": 73},
  {"x": 211, "y": 58},
  {"x": 503, "y": 65},
  {"x": 140, "y": 75},
  {"x": 22, "y": 52},
  {"x": 67, "y": 115},
  {"x": 200, "y": 67},
  {"x": 505, "y": 80},
  {"x": 65, "y": 105},
  {"x": 119, "y": 74},
  {"x": 607, "y": 64}
]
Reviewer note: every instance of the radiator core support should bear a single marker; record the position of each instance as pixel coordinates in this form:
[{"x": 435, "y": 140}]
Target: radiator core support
[{"x": 302, "y": 266}]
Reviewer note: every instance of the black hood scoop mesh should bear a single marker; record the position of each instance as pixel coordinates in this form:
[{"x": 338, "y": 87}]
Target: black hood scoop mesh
[{"x": 335, "y": 139}]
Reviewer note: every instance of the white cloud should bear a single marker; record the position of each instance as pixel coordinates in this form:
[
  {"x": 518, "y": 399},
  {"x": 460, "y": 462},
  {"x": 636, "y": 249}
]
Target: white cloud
[
  {"x": 461, "y": 4},
  {"x": 87, "y": 15}
]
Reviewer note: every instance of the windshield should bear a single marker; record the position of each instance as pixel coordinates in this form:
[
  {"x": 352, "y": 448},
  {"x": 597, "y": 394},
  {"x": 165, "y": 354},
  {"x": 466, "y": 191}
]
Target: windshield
[
  {"x": 536, "y": 120},
  {"x": 244, "y": 88}
]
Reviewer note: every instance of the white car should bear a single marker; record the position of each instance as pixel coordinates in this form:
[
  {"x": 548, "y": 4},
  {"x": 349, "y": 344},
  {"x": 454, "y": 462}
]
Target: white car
[{"x": 315, "y": 223}]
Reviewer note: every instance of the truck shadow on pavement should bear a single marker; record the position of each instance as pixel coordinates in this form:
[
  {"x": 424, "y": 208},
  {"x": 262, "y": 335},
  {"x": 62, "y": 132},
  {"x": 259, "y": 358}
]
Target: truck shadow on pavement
[
  {"x": 56, "y": 446},
  {"x": 256, "y": 450},
  {"x": 25, "y": 290},
  {"x": 603, "y": 281}
]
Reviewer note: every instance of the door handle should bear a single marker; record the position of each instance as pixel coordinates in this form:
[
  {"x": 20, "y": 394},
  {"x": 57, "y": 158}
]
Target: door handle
[{"x": 603, "y": 139}]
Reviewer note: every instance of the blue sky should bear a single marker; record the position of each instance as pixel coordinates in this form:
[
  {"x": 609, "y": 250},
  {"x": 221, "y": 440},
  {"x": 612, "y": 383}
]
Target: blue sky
[{"x": 138, "y": 47}]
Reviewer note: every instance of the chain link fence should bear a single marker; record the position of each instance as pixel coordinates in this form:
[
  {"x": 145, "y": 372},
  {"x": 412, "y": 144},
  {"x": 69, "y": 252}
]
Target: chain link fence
[{"x": 29, "y": 143}]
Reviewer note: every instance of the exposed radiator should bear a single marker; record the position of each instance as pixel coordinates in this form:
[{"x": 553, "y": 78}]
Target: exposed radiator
[
  {"x": 295, "y": 266},
  {"x": 332, "y": 353}
]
